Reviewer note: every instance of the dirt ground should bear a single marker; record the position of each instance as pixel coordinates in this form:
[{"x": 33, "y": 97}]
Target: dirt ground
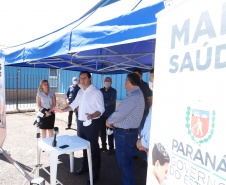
[{"x": 22, "y": 145}]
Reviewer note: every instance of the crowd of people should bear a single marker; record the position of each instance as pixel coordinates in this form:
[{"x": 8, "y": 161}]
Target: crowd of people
[{"x": 127, "y": 127}]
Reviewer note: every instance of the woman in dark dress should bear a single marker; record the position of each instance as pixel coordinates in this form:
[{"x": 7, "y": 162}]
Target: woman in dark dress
[{"x": 46, "y": 99}]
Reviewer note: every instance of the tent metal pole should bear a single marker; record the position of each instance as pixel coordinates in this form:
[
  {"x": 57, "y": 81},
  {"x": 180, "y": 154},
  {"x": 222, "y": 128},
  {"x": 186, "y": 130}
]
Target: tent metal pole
[
  {"x": 123, "y": 68},
  {"x": 78, "y": 65},
  {"x": 128, "y": 58},
  {"x": 38, "y": 62},
  {"x": 116, "y": 55},
  {"x": 146, "y": 67},
  {"x": 87, "y": 61},
  {"x": 115, "y": 63},
  {"x": 75, "y": 65}
]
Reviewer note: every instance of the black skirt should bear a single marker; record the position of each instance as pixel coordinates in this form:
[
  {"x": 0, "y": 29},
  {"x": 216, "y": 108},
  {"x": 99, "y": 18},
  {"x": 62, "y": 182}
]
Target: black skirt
[{"x": 47, "y": 122}]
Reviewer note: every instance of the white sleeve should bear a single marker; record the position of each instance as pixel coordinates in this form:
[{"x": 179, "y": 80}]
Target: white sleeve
[{"x": 100, "y": 102}]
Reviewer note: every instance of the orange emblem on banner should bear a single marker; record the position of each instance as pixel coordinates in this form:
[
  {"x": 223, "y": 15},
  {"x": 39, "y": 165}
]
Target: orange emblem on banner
[{"x": 199, "y": 123}]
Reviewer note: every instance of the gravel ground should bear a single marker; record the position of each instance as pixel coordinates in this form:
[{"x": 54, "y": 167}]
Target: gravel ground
[{"x": 22, "y": 145}]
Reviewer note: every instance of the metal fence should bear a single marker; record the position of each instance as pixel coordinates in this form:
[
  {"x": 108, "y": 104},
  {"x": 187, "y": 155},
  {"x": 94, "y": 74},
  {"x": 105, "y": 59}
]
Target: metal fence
[{"x": 21, "y": 90}]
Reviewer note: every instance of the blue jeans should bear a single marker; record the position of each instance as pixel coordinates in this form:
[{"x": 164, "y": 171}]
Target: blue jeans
[{"x": 125, "y": 141}]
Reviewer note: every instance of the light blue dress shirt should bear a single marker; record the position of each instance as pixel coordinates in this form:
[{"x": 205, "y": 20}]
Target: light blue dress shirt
[
  {"x": 145, "y": 132},
  {"x": 130, "y": 111}
]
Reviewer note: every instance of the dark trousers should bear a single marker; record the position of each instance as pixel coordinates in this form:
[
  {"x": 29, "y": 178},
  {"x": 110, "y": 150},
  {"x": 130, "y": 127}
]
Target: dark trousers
[
  {"x": 91, "y": 134},
  {"x": 70, "y": 117},
  {"x": 125, "y": 141},
  {"x": 103, "y": 129}
]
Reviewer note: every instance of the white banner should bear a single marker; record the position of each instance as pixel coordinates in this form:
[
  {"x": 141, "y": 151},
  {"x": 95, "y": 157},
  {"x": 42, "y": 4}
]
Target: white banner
[
  {"x": 189, "y": 107},
  {"x": 2, "y": 103}
]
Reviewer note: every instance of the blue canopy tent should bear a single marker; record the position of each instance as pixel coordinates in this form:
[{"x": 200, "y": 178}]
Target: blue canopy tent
[{"x": 114, "y": 37}]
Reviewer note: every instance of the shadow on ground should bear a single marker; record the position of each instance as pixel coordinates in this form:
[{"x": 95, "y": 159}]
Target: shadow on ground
[
  {"x": 110, "y": 172},
  {"x": 22, "y": 142}
]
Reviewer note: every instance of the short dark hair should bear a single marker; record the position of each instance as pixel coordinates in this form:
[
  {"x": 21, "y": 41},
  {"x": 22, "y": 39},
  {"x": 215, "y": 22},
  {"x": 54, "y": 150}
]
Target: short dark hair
[
  {"x": 160, "y": 153},
  {"x": 85, "y": 72},
  {"x": 134, "y": 79},
  {"x": 152, "y": 70},
  {"x": 138, "y": 70}
]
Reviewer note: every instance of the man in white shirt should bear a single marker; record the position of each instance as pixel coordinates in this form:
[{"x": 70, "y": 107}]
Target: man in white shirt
[{"x": 91, "y": 106}]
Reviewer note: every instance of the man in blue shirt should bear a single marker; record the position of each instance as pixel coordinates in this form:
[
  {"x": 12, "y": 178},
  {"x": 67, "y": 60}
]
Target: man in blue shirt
[
  {"x": 143, "y": 141},
  {"x": 147, "y": 92},
  {"x": 110, "y": 95},
  {"x": 71, "y": 94}
]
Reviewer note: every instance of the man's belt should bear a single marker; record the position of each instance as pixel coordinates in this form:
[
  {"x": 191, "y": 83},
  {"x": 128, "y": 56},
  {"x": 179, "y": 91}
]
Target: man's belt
[{"x": 116, "y": 128}]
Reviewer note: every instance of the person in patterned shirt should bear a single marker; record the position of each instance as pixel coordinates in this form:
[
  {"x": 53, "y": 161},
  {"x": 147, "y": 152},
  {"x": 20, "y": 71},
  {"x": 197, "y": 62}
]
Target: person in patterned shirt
[{"x": 125, "y": 121}]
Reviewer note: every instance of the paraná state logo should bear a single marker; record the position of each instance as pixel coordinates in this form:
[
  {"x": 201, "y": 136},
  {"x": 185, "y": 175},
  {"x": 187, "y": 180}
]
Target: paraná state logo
[{"x": 200, "y": 124}]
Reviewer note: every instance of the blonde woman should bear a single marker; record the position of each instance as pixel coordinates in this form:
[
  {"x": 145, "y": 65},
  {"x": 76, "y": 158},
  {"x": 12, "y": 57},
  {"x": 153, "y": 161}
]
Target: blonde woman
[{"x": 46, "y": 99}]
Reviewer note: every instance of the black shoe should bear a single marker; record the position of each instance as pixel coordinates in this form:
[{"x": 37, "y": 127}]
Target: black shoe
[
  {"x": 111, "y": 151},
  {"x": 67, "y": 128},
  {"x": 103, "y": 149},
  {"x": 95, "y": 179},
  {"x": 82, "y": 170}
]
